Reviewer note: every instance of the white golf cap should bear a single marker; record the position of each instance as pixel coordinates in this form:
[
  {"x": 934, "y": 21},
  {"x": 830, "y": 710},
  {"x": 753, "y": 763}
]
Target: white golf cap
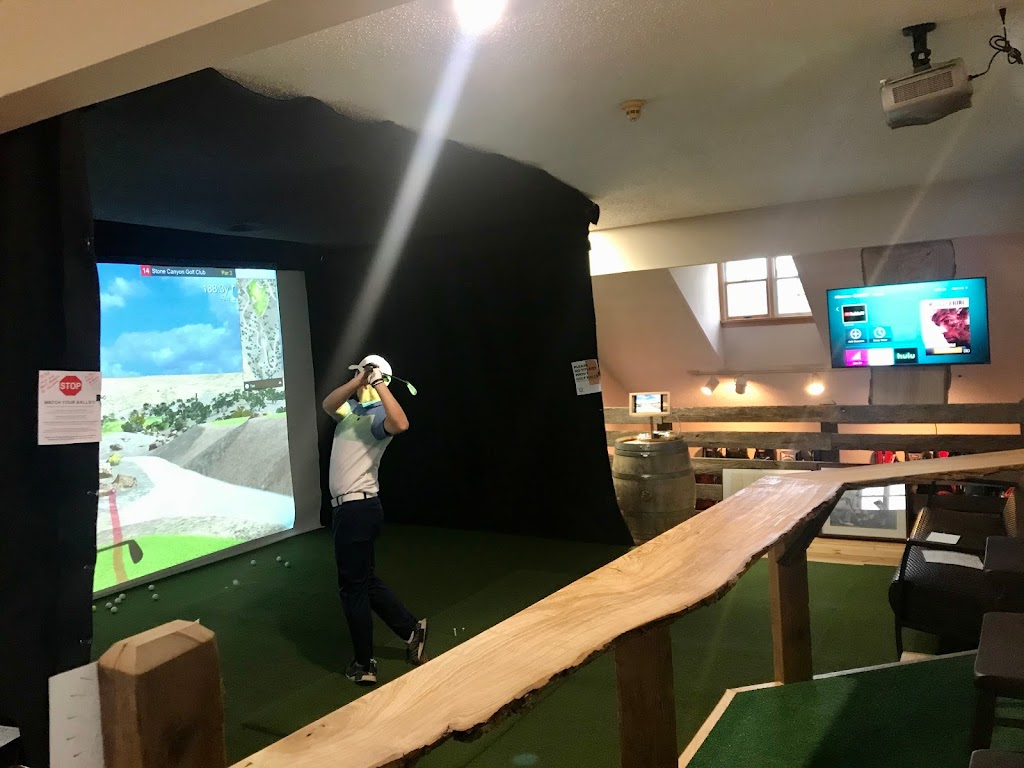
[{"x": 377, "y": 360}]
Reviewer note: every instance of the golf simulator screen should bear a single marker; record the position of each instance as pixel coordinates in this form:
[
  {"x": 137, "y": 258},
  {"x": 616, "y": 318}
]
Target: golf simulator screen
[
  {"x": 194, "y": 456},
  {"x": 935, "y": 323}
]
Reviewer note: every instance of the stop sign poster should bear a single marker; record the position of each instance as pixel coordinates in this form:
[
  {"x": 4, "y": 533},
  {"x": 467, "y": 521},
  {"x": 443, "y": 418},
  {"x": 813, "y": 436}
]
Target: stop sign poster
[{"x": 69, "y": 407}]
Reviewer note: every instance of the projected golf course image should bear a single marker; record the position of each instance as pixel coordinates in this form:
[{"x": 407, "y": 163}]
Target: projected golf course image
[{"x": 194, "y": 453}]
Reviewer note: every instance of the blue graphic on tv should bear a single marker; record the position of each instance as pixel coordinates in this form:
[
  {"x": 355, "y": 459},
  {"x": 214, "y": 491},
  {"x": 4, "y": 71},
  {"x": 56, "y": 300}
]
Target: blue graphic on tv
[{"x": 944, "y": 322}]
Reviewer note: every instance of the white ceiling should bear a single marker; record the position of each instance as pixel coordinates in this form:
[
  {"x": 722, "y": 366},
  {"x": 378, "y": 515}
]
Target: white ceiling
[{"x": 751, "y": 102}]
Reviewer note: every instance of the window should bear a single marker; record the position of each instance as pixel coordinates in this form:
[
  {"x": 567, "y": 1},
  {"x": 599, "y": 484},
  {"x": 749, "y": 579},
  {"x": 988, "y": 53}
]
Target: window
[{"x": 766, "y": 289}]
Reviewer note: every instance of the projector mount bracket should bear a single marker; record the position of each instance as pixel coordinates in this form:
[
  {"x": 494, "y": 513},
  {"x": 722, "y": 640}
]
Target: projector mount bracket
[{"x": 921, "y": 56}]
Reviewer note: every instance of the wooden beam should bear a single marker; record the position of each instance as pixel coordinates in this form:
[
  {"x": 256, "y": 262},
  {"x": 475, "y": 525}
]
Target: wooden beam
[
  {"x": 707, "y": 491},
  {"x": 160, "y": 699},
  {"x": 967, "y": 413},
  {"x": 791, "y": 614},
  {"x": 647, "y": 709},
  {"x": 819, "y": 441},
  {"x": 717, "y": 465},
  {"x": 470, "y": 687},
  {"x": 958, "y": 443}
]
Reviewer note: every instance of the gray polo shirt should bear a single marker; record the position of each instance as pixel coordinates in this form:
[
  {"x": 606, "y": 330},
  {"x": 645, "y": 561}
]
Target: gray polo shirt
[{"x": 359, "y": 444}]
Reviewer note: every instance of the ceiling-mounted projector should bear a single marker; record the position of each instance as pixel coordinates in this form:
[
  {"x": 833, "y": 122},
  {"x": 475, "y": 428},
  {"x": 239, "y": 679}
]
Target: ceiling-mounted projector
[{"x": 929, "y": 94}]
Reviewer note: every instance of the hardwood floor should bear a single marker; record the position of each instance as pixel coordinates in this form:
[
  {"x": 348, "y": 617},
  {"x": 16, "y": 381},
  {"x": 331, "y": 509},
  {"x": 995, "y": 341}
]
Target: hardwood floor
[{"x": 855, "y": 552}]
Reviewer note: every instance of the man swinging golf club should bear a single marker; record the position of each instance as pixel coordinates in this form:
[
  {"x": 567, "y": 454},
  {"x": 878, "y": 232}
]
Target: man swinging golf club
[{"x": 368, "y": 416}]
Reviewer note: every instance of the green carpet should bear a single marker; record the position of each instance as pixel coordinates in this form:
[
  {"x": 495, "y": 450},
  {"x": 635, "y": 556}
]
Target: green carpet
[
  {"x": 910, "y": 714},
  {"x": 283, "y": 643}
]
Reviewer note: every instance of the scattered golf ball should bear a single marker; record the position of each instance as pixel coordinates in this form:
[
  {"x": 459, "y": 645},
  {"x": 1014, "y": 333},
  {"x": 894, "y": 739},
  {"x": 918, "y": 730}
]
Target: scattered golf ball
[
  {"x": 114, "y": 609},
  {"x": 152, "y": 587},
  {"x": 287, "y": 564},
  {"x": 279, "y": 558},
  {"x": 156, "y": 596},
  {"x": 122, "y": 596},
  {"x": 252, "y": 562},
  {"x": 110, "y": 605},
  {"x": 235, "y": 582},
  {"x": 94, "y": 609}
]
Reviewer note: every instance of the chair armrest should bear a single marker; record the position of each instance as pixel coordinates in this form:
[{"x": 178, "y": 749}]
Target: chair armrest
[{"x": 925, "y": 544}]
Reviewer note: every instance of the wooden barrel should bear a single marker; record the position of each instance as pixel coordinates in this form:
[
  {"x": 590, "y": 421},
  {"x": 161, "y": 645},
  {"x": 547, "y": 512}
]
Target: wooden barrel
[{"x": 654, "y": 484}]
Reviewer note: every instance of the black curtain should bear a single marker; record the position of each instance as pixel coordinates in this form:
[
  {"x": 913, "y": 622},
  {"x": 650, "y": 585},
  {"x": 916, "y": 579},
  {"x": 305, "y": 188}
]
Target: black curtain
[
  {"x": 487, "y": 326},
  {"x": 49, "y": 320}
]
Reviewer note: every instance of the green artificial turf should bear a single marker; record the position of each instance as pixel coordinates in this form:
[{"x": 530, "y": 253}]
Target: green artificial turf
[
  {"x": 907, "y": 714},
  {"x": 159, "y": 552},
  {"x": 284, "y": 645}
]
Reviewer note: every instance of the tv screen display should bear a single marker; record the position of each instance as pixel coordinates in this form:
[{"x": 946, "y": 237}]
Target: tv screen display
[
  {"x": 649, "y": 403},
  {"x": 194, "y": 456},
  {"x": 944, "y": 322}
]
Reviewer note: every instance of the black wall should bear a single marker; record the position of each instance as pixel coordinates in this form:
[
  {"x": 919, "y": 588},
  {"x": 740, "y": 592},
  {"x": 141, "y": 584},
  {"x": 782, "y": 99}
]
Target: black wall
[
  {"x": 49, "y": 320},
  {"x": 486, "y": 325},
  {"x": 489, "y": 306}
]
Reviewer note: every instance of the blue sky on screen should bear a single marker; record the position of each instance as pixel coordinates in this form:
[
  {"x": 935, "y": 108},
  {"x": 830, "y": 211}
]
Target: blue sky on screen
[{"x": 156, "y": 326}]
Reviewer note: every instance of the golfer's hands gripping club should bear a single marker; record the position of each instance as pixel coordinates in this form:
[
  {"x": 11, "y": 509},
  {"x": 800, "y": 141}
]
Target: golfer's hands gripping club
[{"x": 374, "y": 377}]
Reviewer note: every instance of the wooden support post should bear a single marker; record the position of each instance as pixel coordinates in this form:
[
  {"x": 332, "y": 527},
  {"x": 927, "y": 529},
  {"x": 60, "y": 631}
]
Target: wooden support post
[
  {"x": 832, "y": 454},
  {"x": 647, "y": 710},
  {"x": 160, "y": 699},
  {"x": 791, "y": 614}
]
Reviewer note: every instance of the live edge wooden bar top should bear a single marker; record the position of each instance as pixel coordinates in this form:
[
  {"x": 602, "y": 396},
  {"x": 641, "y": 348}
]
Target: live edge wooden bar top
[{"x": 462, "y": 691}]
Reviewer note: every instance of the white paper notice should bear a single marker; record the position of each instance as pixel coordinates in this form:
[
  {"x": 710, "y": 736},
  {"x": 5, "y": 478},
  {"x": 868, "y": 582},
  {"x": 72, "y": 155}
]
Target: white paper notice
[
  {"x": 943, "y": 538},
  {"x": 588, "y": 376},
  {"x": 69, "y": 407},
  {"x": 8, "y": 734},
  {"x": 76, "y": 738},
  {"x": 953, "y": 558}
]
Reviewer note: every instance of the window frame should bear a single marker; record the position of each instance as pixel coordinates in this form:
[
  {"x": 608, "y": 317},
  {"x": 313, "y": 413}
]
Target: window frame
[{"x": 773, "y": 317}]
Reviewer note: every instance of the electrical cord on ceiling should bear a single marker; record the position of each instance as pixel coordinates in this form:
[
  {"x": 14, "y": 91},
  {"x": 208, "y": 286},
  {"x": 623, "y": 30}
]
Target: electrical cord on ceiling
[{"x": 1001, "y": 44}]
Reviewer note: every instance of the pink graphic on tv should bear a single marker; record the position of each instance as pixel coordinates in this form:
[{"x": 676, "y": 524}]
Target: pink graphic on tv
[{"x": 856, "y": 357}]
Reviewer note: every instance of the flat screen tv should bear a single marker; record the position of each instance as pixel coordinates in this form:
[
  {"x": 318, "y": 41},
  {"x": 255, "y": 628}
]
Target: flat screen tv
[{"x": 943, "y": 322}]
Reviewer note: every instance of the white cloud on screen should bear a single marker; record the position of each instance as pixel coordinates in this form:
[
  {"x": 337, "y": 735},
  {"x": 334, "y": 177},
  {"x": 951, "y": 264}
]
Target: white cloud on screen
[
  {"x": 118, "y": 291},
  {"x": 195, "y": 348}
]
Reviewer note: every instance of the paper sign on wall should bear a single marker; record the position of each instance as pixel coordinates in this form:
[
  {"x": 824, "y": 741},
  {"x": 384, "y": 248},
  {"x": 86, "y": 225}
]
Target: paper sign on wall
[
  {"x": 69, "y": 407},
  {"x": 588, "y": 376},
  {"x": 76, "y": 737}
]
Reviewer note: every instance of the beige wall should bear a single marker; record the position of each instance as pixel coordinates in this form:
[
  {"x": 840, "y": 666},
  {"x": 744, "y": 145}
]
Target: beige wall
[
  {"x": 664, "y": 341},
  {"x": 939, "y": 211},
  {"x": 59, "y": 55}
]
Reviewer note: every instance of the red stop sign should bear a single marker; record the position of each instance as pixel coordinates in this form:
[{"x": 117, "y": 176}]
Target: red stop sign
[{"x": 70, "y": 386}]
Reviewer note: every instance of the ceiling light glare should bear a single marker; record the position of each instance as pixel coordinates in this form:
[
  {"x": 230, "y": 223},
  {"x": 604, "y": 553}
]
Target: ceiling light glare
[
  {"x": 741, "y": 385},
  {"x": 478, "y": 16},
  {"x": 815, "y": 386},
  {"x": 710, "y": 387}
]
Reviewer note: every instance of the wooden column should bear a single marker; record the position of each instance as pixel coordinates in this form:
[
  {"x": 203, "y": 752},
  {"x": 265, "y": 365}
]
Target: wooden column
[
  {"x": 160, "y": 699},
  {"x": 647, "y": 709},
  {"x": 791, "y": 614}
]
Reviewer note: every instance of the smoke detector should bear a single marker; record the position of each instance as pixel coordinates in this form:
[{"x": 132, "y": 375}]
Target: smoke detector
[{"x": 632, "y": 109}]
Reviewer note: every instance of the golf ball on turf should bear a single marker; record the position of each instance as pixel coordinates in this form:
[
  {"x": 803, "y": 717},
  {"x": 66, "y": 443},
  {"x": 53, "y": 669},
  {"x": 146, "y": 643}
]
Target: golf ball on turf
[
  {"x": 110, "y": 605},
  {"x": 121, "y": 596},
  {"x": 156, "y": 596},
  {"x": 252, "y": 562},
  {"x": 279, "y": 558},
  {"x": 235, "y": 582},
  {"x": 287, "y": 564},
  {"x": 114, "y": 609},
  {"x": 94, "y": 609},
  {"x": 152, "y": 587}
]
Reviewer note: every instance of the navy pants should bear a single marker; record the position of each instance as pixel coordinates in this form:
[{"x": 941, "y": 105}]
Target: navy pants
[{"x": 356, "y": 525}]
